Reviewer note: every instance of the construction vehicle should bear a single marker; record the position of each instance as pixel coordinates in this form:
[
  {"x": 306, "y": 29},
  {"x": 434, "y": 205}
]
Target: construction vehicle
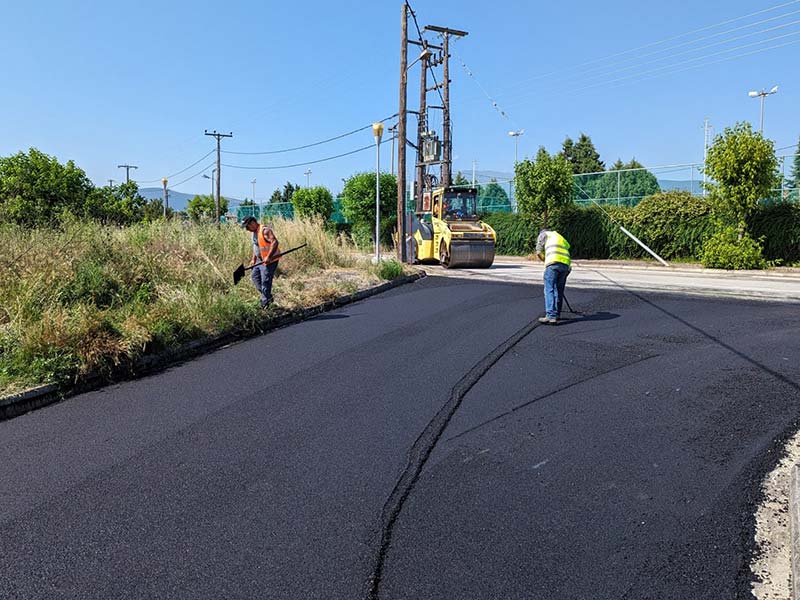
[{"x": 448, "y": 229}]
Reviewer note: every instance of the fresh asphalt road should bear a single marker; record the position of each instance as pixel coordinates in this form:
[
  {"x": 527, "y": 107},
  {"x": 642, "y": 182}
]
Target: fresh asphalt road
[{"x": 430, "y": 442}]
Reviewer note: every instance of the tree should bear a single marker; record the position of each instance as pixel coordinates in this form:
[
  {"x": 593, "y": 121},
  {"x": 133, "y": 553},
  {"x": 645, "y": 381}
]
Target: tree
[
  {"x": 203, "y": 208},
  {"x": 154, "y": 210},
  {"x": 120, "y": 205},
  {"x": 586, "y": 158},
  {"x": 743, "y": 167},
  {"x": 543, "y": 185},
  {"x": 36, "y": 189},
  {"x": 493, "y": 198},
  {"x": 460, "y": 179},
  {"x": 795, "y": 181},
  {"x": 358, "y": 202},
  {"x": 288, "y": 191},
  {"x": 276, "y": 197},
  {"x": 312, "y": 201},
  {"x": 627, "y": 184},
  {"x": 568, "y": 151},
  {"x": 247, "y": 202}
]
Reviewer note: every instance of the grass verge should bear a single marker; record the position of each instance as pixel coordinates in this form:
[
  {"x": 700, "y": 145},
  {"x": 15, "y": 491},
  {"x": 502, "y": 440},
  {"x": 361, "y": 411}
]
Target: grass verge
[{"x": 85, "y": 299}]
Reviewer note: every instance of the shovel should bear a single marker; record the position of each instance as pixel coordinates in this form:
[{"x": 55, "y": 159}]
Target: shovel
[{"x": 240, "y": 270}]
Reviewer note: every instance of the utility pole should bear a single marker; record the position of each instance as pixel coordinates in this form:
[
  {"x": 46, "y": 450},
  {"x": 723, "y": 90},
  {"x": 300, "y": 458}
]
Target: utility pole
[
  {"x": 473, "y": 172},
  {"x": 447, "y": 142},
  {"x": 111, "y": 183},
  {"x": 127, "y": 171},
  {"x": 219, "y": 136},
  {"x": 402, "y": 138},
  {"x": 308, "y": 178},
  {"x": 422, "y": 124}
]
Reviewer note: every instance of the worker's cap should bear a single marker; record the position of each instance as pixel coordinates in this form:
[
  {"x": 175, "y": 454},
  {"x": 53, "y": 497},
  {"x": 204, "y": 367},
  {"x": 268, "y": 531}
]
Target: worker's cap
[{"x": 247, "y": 220}]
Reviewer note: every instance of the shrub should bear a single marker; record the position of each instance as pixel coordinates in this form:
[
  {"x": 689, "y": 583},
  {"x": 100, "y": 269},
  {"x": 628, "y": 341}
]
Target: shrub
[
  {"x": 779, "y": 226},
  {"x": 313, "y": 201},
  {"x": 724, "y": 250},
  {"x": 390, "y": 269},
  {"x": 674, "y": 224}
]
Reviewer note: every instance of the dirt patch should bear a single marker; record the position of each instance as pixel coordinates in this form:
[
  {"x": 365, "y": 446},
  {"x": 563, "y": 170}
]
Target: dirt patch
[{"x": 772, "y": 563}]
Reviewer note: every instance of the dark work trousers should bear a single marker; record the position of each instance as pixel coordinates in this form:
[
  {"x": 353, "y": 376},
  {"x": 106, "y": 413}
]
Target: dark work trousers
[{"x": 262, "y": 277}]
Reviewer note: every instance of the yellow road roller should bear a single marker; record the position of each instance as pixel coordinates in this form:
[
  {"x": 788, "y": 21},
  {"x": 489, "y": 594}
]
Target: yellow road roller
[{"x": 448, "y": 230}]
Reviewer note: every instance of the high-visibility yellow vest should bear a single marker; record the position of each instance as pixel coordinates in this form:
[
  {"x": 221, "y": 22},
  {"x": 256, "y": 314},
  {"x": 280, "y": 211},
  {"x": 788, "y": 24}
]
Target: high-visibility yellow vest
[{"x": 556, "y": 249}]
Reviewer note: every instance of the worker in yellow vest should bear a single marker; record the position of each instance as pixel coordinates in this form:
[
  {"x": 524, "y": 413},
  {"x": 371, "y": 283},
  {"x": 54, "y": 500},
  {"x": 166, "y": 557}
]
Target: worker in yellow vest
[
  {"x": 553, "y": 249},
  {"x": 264, "y": 263}
]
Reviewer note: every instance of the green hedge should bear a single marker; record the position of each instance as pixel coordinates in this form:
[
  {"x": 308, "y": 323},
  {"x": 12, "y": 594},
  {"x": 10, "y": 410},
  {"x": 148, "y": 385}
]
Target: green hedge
[{"x": 674, "y": 224}]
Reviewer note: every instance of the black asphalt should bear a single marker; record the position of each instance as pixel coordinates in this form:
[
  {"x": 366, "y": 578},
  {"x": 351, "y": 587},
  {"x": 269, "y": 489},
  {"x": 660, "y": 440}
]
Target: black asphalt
[{"x": 430, "y": 442}]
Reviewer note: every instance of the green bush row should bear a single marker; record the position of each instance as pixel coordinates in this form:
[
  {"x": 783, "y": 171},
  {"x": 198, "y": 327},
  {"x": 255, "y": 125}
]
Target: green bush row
[{"x": 674, "y": 224}]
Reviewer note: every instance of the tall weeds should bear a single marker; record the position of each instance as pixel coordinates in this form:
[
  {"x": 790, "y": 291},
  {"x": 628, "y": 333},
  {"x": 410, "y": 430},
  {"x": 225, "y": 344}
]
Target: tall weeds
[{"x": 82, "y": 298}]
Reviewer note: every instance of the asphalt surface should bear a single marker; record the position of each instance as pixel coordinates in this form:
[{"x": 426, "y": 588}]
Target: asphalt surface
[{"x": 430, "y": 442}]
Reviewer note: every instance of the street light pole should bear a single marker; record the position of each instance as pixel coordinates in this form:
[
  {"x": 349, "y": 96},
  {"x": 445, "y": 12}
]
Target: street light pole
[
  {"x": 515, "y": 135},
  {"x": 377, "y": 132},
  {"x": 762, "y": 94},
  {"x": 308, "y": 178},
  {"x": 166, "y": 196},
  {"x": 254, "y": 198}
]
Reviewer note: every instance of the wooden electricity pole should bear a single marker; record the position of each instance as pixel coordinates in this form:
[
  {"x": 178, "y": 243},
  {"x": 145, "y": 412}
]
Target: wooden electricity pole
[
  {"x": 219, "y": 167},
  {"x": 401, "y": 136}
]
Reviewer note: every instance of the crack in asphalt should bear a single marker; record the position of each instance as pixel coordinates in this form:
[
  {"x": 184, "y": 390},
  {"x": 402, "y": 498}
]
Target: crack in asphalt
[{"x": 422, "y": 449}]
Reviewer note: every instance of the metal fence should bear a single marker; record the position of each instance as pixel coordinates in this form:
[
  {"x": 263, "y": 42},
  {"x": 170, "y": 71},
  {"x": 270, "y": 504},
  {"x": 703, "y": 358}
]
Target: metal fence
[{"x": 621, "y": 187}]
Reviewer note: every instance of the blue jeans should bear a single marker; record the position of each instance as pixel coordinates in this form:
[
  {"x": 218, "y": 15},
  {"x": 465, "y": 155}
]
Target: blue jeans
[
  {"x": 262, "y": 276},
  {"x": 555, "y": 278}
]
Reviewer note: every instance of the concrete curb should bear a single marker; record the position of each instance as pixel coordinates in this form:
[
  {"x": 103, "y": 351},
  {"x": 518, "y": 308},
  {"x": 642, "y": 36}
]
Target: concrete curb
[
  {"x": 18, "y": 404},
  {"x": 794, "y": 529}
]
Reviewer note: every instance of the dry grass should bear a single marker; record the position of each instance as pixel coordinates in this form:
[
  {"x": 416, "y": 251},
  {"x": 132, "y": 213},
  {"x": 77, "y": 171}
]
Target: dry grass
[{"x": 84, "y": 298}]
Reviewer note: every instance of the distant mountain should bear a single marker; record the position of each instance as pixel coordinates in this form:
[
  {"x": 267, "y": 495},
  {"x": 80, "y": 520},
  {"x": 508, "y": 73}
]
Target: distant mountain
[{"x": 177, "y": 200}]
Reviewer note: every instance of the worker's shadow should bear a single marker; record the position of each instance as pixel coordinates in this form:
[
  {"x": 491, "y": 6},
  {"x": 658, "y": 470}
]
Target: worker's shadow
[{"x": 581, "y": 317}]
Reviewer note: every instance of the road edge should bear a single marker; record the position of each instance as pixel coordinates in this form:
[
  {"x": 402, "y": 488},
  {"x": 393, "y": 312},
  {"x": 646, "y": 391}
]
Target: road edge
[
  {"x": 794, "y": 529},
  {"x": 23, "y": 402}
]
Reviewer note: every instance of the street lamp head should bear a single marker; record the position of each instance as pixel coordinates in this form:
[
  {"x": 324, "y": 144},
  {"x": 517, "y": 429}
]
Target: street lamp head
[
  {"x": 752, "y": 94},
  {"x": 164, "y": 181},
  {"x": 377, "y": 130},
  {"x": 206, "y": 176},
  {"x": 773, "y": 90}
]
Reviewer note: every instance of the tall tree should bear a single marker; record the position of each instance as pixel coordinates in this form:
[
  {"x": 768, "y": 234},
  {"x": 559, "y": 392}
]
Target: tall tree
[
  {"x": 288, "y": 190},
  {"x": 313, "y": 201},
  {"x": 568, "y": 152},
  {"x": 544, "y": 185},
  {"x": 460, "y": 179},
  {"x": 493, "y": 198},
  {"x": 631, "y": 185},
  {"x": 358, "y": 203},
  {"x": 36, "y": 189},
  {"x": 276, "y": 197},
  {"x": 743, "y": 166},
  {"x": 796, "y": 167},
  {"x": 586, "y": 158},
  {"x": 203, "y": 208},
  {"x": 120, "y": 205}
]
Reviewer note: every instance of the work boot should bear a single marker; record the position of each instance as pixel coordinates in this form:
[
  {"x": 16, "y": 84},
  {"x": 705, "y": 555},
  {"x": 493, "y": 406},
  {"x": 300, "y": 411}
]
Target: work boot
[{"x": 547, "y": 320}]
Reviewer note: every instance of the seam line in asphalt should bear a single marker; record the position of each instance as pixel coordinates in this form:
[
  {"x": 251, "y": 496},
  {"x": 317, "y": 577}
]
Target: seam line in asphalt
[
  {"x": 779, "y": 376},
  {"x": 422, "y": 449}
]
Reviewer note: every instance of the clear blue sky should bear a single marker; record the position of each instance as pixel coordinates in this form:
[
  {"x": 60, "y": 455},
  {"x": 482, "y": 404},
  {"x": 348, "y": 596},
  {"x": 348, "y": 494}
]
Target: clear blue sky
[{"x": 107, "y": 83}]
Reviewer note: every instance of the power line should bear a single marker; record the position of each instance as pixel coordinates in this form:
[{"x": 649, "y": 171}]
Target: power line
[
  {"x": 302, "y": 164},
  {"x": 182, "y": 170},
  {"x": 338, "y": 137},
  {"x": 614, "y": 71},
  {"x": 174, "y": 185},
  {"x": 678, "y": 64},
  {"x": 659, "y": 42}
]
